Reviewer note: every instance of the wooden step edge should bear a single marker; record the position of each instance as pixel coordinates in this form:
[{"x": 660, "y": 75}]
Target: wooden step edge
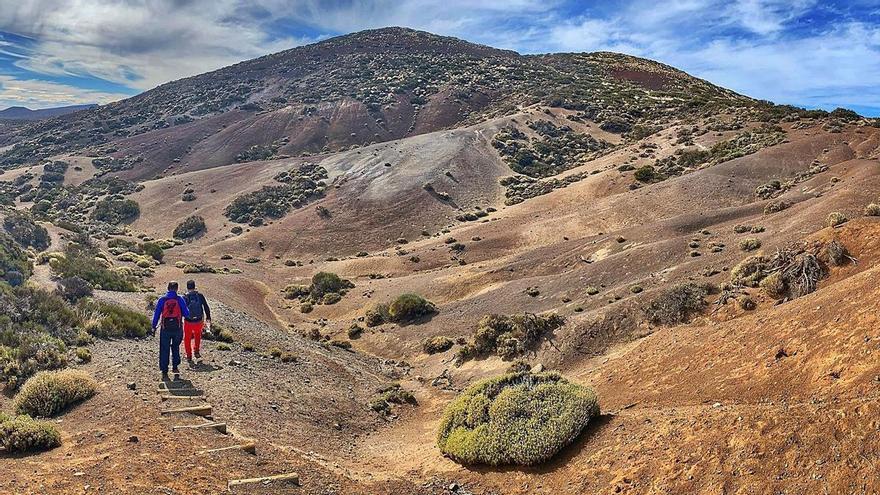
[
  {"x": 221, "y": 427},
  {"x": 182, "y": 397},
  {"x": 291, "y": 478},
  {"x": 250, "y": 448},
  {"x": 197, "y": 410}
]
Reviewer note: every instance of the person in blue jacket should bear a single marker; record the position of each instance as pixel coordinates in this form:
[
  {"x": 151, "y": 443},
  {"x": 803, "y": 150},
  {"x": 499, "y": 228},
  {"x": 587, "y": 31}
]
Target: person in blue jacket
[{"x": 168, "y": 317}]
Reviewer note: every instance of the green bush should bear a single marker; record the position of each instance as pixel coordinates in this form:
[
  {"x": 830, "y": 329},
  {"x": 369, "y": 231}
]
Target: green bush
[
  {"x": 325, "y": 282},
  {"x": 80, "y": 261},
  {"x": 645, "y": 174},
  {"x": 15, "y": 267},
  {"x": 392, "y": 394},
  {"x": 409, "y": 307},
  {"x": 113, "y": 321},
  {"x": 84, "y": 355},
  {"x": 23, "y": 229},
  {"x": 517, "y": 418},
  {"x": 190, "y": 228},
  {"x": 21, "y": 434},
  {"x": 50, "y": 392},
  {"x": 153, "y": 250},
  {"x": 116, "y": 211}
]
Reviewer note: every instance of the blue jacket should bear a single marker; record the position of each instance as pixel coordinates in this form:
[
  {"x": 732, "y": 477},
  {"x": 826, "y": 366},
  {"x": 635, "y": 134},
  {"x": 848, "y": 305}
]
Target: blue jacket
[{"x": 184, "y": 310}]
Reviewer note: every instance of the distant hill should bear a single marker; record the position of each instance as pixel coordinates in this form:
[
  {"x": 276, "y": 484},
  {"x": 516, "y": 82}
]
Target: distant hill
[{"x": 24, "y": 113}]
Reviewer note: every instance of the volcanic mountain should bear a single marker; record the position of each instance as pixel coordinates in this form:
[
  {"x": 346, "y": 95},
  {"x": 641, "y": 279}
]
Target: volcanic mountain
[{"x": 699, "y": 258}]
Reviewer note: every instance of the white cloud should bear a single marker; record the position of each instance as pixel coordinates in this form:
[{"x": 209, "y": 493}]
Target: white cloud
[
  {"x": 743, "y": 44},
  {"x": 35, "y": 94}
]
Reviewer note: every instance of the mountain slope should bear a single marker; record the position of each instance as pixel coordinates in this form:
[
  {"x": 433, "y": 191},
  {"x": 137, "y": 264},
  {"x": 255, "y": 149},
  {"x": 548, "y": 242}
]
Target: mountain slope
[
  {"x": 23, "y": 113},
  {"x": 371, "y": 86}
]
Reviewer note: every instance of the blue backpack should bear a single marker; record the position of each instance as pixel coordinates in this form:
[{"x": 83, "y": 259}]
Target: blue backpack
[{"x": 194, "y": 304}]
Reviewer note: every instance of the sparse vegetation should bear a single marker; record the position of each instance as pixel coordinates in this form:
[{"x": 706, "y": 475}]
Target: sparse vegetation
[
  {"x": 750, "y": 244},
  {"x": 21, "y": 434},
  {"x": 83, "y": 262},
  {"x": 116, "y": 211},
  {"x": 836, "y": 219},
  {"x": 440, "y": 343},
  {"x": 517, "y": 418},
  {"x": 50, "y": 392},
  {"x": 678, "y": 304},
  {"x": 508, "y": 336},
  {"x": 25, "y": 231},
  {"x": 192, "y": 227},
  {"x": 298, "y": 187},
  {"x": 392, "y": 394}
]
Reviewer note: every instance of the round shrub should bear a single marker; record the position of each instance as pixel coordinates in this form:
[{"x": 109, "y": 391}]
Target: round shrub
[
  {"x": 872, "y": 210},
  {"x": 74, "y": 288},
  {"x": 440, "y": 343},
  {"x": 190, "y": 228},
  {"x": 24, "y": 434},
  {"x": 408, "y": 307},
  {"x": 50, "y": 392},
  {"x": 749, "y": 244},
  {"x": 518, "y": 418},
  {"x": 836, "y": 218}
]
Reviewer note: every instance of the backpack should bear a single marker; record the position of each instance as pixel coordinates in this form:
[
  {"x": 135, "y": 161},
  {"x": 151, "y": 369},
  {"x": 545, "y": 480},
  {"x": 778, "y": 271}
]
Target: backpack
[
  {"x": 194, "y": 303},
  {"x": 171, "y": 315}
]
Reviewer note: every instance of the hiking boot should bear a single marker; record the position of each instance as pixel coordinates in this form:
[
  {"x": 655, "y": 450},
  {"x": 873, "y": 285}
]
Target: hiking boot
[
  {"x": 190, "y": 360},
  {"x": 198, "y": 355},
  {"x": 175, "y": 370},
  {"x": 165, "y": 377}
]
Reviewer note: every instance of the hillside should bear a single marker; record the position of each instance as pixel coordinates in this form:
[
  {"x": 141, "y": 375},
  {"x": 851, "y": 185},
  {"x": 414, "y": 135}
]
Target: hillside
[
  {"x": 607, "y": 200},
  {"x": 23, "y": 113}
]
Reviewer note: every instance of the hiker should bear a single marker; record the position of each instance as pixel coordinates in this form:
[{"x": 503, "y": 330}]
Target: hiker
[
  {"x": 194, "y": 324},
  {"x": 168, "y": 317}
]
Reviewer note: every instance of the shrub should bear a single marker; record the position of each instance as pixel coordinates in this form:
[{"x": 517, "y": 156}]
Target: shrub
[
  {"x": 15, "y": 267},
  {"x": 83, "y": 355},
  {"x": 74, "y": 288},
  {"x": 509, "y": 336},
  {"x": 113, "y": 321},
  {"x": 219, "y": 334},
  {"x": 409, "y": 307},
  {"x": 773, "y": 285},
  {"x": 377, "y": 315},
  {"x": 645, "y": 174},
  {"x": 437, "y": 344},
  {"x": 677, "y": 304},
  {"x": 50, "y": 392},
  {"x": 24, "y": 434},
  {"x": 223, "y": 347},
  {"x": 872, "y": 210},
  {"x": 835, "y": 219},
  {"x": 519, "y": 418},
  {"x": 776, "y": 206},
  {"x": 324, "y": 283},
  {"x": 23, "y": 229},
  {"x": 747, "y": 303},
  {"x": 392, "y": 394},
  {"x": 190, "y": 228},
  {"x": 153, "y": 250},
  {"x": 355, "y": 331},
  {"x": 749, "y": 244},
  {"x": 116, "y": 211},
  {"x": 81, "y": 261},
  {"x": 836, "y": 253}
]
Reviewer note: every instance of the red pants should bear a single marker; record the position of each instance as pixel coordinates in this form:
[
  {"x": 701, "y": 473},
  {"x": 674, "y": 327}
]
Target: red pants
[{"x": 192, "y": 329}]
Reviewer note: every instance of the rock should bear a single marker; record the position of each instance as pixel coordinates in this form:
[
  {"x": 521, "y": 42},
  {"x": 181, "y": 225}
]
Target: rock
[
  {"x": 132, "y": 385},
  {"x": 453, "y": 487},
  {"x": 133, "y": 439}
]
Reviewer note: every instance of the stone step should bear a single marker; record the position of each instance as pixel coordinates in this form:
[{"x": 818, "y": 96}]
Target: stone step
[
  {"x": 197, "y": 410},
  {"x": 221, "y": 427},
  {"x": 290, "y": 478},
  {"x": 250, "y": 448}
]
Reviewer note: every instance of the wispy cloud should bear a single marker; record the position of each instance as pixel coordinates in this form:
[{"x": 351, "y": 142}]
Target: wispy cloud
[{"x": 40, "y": 94}]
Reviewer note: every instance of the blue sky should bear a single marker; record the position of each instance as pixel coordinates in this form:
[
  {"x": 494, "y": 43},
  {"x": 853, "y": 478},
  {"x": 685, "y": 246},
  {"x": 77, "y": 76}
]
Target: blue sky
[{"x": 802, "y": 52}]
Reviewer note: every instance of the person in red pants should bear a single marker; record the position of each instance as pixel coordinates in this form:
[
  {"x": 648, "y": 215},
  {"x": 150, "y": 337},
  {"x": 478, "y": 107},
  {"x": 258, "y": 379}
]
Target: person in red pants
[{"x": 194, "y": 323}]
